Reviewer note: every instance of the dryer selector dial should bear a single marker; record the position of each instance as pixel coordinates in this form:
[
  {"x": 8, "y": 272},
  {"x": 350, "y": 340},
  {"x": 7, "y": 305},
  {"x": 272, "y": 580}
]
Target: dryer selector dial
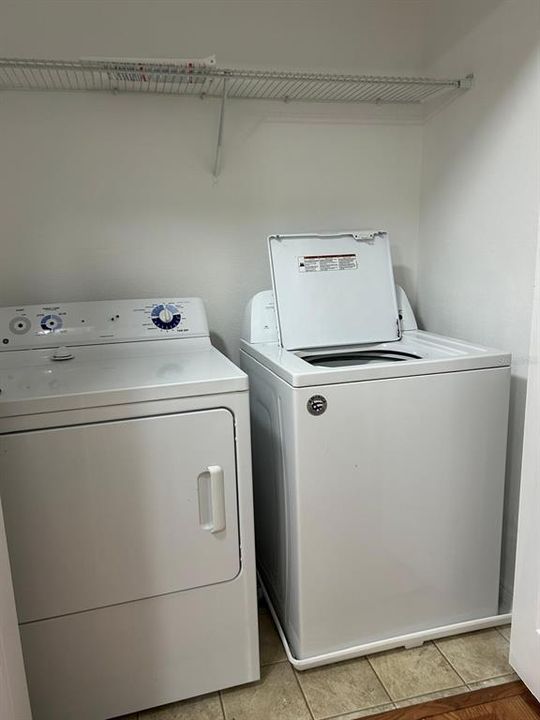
[
  {"x": 20, "y": 325},
  {"x": 51, "y": 323},
  {"x": 166, "y": 316}
]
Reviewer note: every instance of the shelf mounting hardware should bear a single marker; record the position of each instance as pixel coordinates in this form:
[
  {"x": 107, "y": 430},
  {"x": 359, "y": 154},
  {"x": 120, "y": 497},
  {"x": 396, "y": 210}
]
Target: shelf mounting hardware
[{"x": 219, "y": 145}]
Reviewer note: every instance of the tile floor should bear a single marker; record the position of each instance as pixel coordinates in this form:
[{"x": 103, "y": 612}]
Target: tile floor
[{"x": 352, "y": 689}]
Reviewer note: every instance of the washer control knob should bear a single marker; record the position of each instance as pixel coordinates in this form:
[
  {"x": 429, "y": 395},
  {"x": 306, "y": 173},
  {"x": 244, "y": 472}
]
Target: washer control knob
[{"x": 62, "y": 353}]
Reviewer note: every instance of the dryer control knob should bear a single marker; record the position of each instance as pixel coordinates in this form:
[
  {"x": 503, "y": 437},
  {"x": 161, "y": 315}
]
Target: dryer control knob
[
  {"x": 62, "y": 353},
  {"x": 166, "y": 315}
]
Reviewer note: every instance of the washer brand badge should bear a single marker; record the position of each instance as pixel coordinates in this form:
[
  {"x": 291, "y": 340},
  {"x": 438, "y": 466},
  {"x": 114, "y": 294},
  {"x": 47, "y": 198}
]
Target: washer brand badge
[
  {"x": 323, "y": 263},
  {"x": 316, "y": 404}
]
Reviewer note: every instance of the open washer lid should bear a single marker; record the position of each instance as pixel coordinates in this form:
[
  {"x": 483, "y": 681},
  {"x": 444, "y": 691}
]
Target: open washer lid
[{"x": 333, "y": 289}]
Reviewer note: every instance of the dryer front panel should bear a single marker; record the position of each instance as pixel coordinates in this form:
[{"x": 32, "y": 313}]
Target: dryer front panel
[{"x": 108, "y": 513}]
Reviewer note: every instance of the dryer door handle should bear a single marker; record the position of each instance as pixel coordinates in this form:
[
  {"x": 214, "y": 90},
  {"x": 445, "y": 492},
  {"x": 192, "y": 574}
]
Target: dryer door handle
[{"x": 211, "y": 485}]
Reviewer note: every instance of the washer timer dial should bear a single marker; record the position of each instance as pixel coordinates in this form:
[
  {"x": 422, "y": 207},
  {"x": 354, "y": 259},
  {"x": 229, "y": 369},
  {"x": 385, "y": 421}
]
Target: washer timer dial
[{"x": 165, "y": 317}]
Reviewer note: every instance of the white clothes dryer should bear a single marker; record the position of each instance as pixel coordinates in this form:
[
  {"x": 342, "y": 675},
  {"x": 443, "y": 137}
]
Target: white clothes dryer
[
  {"x": 378, "y": 457},
  {"x": 125, "y": 481}
]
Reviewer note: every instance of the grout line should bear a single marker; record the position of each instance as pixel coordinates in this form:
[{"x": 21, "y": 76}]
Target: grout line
[
  {"x": 361, "y": 710},
  {"x": 349, "y": 712},
  {"x": 295, "y": 673},
  {"x": 491, "y": 677},
  {"x": 426, "y": 644},
  {"x": 494, "y": 677},
  {"x": 512, "y": 675},
  {"x": 274, "y": 662},
  {"x": 454, "y": 668},
  {"x": 498, "y": 629},
  {"x": 427, "y": 697},
  {"x": 221, "y": 705},
  {"x": 379, "y": 678}
]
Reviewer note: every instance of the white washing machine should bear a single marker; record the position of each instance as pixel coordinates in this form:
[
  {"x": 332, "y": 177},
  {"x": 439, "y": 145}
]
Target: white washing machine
[
  {"x": 126, "y": 485},
  {"x": 378, "y": 457}
]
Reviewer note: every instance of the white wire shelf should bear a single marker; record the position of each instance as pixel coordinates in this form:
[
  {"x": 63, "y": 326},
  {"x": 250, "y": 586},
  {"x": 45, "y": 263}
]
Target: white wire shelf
[
  {"x": 182, "y": 78},
  {"x": 201, "y": 78}
]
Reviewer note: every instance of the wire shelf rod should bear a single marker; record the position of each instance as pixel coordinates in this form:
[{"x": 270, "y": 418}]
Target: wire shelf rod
[{"x": 169, "y": 77}]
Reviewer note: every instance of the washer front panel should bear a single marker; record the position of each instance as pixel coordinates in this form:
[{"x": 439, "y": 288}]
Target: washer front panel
[{"x": 106, "y": 321}]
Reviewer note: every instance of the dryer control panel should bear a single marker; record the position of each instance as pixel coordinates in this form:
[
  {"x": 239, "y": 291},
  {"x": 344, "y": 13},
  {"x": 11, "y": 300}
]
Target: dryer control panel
[{"x": 103, "y": 321}]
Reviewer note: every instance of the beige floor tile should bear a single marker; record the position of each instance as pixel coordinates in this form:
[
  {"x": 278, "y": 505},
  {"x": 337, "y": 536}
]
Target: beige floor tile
[
  {"x": 432, "y": 696},
  {"x": 505, "y": 631},
  {"x": 501, "y": 680},
  {"x": 276, "y": 696},
  {"x": 270, "y": 646},
  {"x": 206, "y": 707},
  {"x": 342, "y": 688},
  {"x": 418, "y": 671},
  {"x": 365, "y": 713},
  {"x": 477, "y": 656}
]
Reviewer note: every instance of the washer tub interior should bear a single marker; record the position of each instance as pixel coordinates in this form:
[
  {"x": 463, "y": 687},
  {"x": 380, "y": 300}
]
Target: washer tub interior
[{"x": 359, "y": 357}]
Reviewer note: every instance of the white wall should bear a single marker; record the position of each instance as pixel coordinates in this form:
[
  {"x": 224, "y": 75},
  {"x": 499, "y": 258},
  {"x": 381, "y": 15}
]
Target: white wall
[
  {"x": 112, "y": 197},
  {"x": 383, "y": 36},
  {"x": 479, "y": 211},
  {"x": 105, "y": 196}
]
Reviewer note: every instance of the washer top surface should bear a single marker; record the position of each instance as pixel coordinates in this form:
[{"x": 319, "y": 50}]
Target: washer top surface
[
  {"x": 134, "y": 355},
  {"x": 417, "y": 353}
]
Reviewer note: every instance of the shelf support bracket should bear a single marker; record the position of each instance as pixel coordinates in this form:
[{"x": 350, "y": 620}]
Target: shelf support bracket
[
  {"x": 467, "y": 82},
  {"x": 219, "y": 145}
]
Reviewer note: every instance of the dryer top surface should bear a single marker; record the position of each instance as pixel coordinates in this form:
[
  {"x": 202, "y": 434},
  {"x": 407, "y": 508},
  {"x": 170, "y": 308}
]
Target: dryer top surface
[
  {"x": 32, "y": 381},
  {"x": 72, "y": 356}
]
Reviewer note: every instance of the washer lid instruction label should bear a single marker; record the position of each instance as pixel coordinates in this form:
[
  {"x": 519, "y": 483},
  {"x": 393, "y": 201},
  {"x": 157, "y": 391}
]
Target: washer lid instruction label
[{"x": 322, "y": 263}]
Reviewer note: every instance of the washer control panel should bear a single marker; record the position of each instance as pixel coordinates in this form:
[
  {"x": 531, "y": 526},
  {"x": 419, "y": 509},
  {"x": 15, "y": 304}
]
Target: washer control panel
[{"x": 104, "y": 321}]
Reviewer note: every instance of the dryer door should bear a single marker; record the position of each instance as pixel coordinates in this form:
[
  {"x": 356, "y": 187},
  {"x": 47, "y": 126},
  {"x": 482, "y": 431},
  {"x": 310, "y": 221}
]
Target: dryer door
[{"x": 112, "y": 512}]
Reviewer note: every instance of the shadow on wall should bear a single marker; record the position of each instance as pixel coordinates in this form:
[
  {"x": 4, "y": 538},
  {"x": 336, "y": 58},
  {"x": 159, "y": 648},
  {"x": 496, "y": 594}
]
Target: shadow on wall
[
  {"x": 448, "y": 23},
  {"x": 404, "y": 277},
  {"x": 516, "y": 422},
  {"x": 218, "y": 342},
  {"x": 469, "y": 285}
]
